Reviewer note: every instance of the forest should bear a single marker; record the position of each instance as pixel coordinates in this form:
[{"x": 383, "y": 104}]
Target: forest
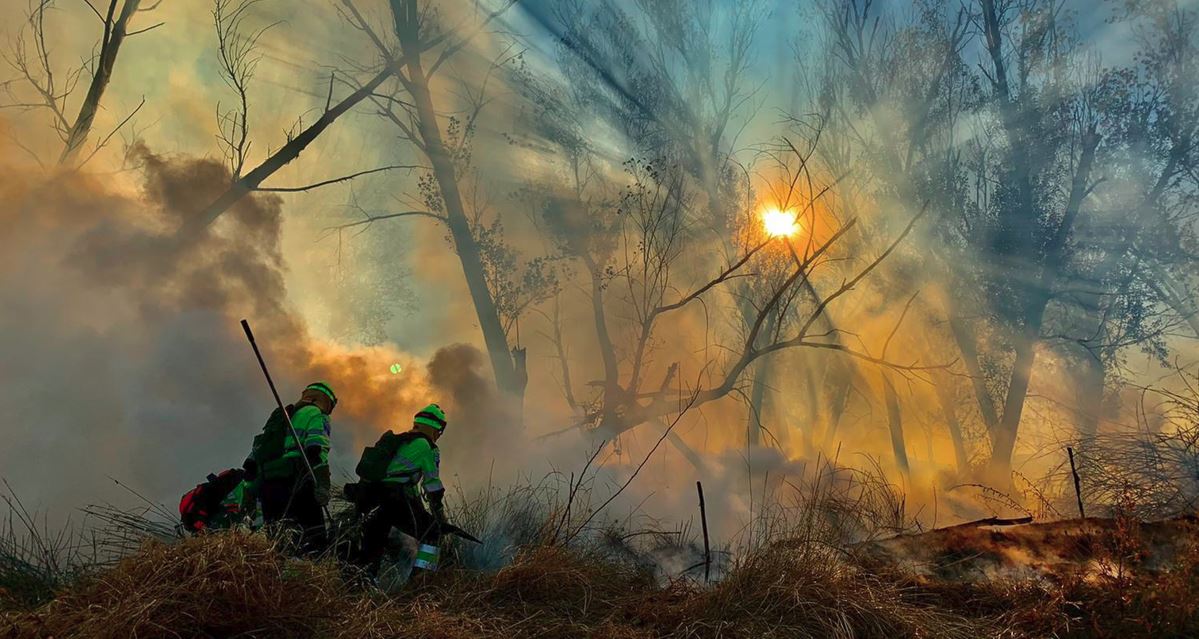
[{"x": 909, "y": 288}]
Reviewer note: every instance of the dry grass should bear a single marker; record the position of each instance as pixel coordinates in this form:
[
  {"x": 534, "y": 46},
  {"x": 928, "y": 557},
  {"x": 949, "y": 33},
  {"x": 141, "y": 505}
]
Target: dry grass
[
  {"x": 801, "y": 571},
  {"x": 1094, "y": 579},
  {"x": 812, "y": 592},
  {"x": 218, "y": 585},
  {"x": 236, "y": 584}
]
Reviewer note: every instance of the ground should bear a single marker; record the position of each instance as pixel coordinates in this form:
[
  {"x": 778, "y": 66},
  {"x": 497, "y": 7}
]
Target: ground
[{"x": 1092, "y": 578}]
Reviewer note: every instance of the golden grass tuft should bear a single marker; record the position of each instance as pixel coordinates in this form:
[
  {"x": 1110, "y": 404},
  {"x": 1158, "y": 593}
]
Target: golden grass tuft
[
  {"x": 236, "y": 584},
  {"x": 218, "y": 585}
]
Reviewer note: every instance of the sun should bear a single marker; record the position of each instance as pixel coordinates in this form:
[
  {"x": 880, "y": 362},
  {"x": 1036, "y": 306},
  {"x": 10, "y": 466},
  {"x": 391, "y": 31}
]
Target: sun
[{"x": 779, "y": 223}]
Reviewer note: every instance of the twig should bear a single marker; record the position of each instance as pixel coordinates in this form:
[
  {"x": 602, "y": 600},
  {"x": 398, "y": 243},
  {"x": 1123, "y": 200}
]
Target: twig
[
  {"x": 636, "y": 471},
  {"x": 344, "y": 178},
  {"x": 1077, "y": 484},
  {"x": 703, "y": 517}
]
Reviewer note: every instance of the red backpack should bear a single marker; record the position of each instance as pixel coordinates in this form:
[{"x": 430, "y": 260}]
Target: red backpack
[{"x": 202, "y": 502}]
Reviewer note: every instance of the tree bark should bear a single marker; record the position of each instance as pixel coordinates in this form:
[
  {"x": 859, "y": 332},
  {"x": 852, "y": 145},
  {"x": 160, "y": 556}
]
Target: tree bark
[
  {"x": 968, "y": 346},
  {"x": 290, "y": 151},
  {"x": 942, "y": 384},
  {"x": 757, "y": 398},
  {"x": 109, "y": 47},
  {"x": 1003, "y": 438},
  {"x": 895, "y": 424},
  {"x": 447, "y": 181}
]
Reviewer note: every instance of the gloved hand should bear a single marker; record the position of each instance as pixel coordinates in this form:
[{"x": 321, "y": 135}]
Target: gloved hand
[
  {"x": 322, "y": 490},
  {"x": 323, "y": 494},
  {"x": 437, "y": 507}
]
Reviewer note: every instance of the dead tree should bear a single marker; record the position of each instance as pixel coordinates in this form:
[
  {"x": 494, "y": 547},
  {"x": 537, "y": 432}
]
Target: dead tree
[
  {"x": 644, "y": 278},
  {"x": 418, "y": 49},
  {"x": 1014, "y": 244},
  {"x": 52, "y": 88},
  {"x": 238, "y": 60}
]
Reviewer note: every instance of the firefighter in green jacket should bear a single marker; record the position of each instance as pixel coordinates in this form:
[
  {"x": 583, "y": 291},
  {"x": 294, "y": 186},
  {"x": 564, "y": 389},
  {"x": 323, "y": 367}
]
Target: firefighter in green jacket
[
  {"x": 285, "y": 488},
  {"x": 413, "y": 471},
  {"x": 238, "y": 508}
]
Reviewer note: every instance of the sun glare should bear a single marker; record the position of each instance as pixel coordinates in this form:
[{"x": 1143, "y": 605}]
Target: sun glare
[{"x": 779, "y": 223}]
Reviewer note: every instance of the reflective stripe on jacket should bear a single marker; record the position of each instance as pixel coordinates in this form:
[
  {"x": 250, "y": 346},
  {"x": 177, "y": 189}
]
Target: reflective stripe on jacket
[
  {"x": 417, "y": 462},
  {"x": 313, "y": 428}
]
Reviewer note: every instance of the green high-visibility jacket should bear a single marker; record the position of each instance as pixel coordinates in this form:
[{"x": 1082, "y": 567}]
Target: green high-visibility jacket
[
  {"x": 239, "y": 506},
  {"x": 241, "y": 501},
  {"x": 313, "y": 428},
  {"x": 416, "y": 463}
]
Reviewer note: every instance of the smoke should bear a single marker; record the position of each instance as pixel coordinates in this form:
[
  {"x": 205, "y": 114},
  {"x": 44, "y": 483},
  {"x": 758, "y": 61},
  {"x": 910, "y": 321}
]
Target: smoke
[
  {"x": 120, "y": 352},
  {"x": 122, "y": 355}
]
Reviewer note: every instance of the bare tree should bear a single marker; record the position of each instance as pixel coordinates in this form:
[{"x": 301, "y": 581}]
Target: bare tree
[
  {"x": 638, "y": 270},
  {"x": 236, "y": 49},
  {"x": 421, "y": 46},
  {"x": 50, "y": 88},
  {"x": 1008, "y": 213}
]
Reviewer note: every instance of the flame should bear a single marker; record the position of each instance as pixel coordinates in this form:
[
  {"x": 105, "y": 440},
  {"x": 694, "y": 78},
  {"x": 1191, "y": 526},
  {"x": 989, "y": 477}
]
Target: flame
[{"x": 779, "y": 223}]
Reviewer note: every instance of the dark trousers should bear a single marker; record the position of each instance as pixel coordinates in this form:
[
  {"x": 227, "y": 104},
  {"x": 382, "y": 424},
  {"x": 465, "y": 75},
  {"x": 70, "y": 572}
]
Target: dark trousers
[
  {"x": 394, "y": 508},
  {"x": 291, "y": 502}
]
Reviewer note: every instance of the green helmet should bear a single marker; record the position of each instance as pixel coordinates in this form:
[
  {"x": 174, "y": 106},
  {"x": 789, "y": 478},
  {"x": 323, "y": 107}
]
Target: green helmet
[
  {"x": 431, "y": 416},
  {"x": 323, "y": 388}
]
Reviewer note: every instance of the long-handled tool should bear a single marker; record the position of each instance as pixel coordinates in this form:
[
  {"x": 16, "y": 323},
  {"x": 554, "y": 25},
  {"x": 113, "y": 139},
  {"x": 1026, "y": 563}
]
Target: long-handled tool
[
  {"x": 451, "y": 529},
  {"x": 292, "y": 429}
]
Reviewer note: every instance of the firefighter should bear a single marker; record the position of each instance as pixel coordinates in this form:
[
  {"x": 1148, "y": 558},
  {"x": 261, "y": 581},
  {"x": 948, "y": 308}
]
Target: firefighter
[
  {"x": 225, "y": 500},
  {"x": 238, "y": 508},
  {"x": 396, "y": 500},
  {"x": 289, "y": 493}
]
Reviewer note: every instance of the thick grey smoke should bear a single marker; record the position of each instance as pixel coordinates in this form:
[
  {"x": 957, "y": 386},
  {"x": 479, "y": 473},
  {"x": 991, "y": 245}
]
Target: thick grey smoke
[{"x": 122, "y": 356}]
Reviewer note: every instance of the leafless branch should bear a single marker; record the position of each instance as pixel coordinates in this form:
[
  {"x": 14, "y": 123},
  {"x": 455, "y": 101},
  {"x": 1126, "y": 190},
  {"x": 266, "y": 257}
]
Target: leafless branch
[
  {"x": 666, "y": 433},
  {"x": 344, "y": 178},
  {"x": 149, "y": 28},
  {"x": 238, "y": 57},
  {"x": 371, "y": 219},
  {"x": 104, "y": 142}
]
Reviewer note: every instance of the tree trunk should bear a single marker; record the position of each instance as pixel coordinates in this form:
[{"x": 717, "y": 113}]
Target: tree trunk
[
  {"x": 757, "y": 393},
  {"x": 464, "y": 241},
  {"x": 968, "y": 346},
  {"x": 1038, "y": 295},
  {"x": 757, "y": 399},
  {"x": 107, "y": 59},
  {"x": 685, "y": 449},
  {"x": 1089, "y": 395},
  {"x": 841, "y": 387},
  {"x": 895, "y": 424},
  {"x": 290, "y": 151},
  {"x": 1003, "y": 438},
  {"x": 852, "y": 372},
  {"x": 942, "y": 384}
]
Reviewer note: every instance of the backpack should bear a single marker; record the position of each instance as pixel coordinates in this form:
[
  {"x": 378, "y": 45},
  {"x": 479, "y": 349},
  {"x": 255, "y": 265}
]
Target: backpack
[
  {"x": 375, "y": 459},
  {"x": 203, "y": 502},
  {"x": 269, "y": 446}
]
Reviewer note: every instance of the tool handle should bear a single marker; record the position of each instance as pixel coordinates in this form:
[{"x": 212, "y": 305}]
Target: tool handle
[
  {"x": 262, "y": 364},
  {"x": 292, "y": 429}
]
